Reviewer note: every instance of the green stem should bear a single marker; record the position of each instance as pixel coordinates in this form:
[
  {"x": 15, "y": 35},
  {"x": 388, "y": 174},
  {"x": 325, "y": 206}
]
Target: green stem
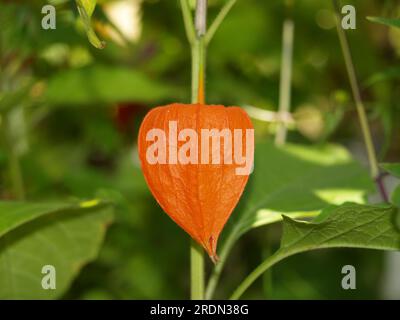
[
  {"x": 188, "y": 21},
  {"x": 268, "y": 263},
  {"x": 216, "y": 273},
  {"x": 196, "y": 251},
  {"x": 196, "y": 38},
  {"x": 195, "y": 71},
  {"x": 218, "y": 20},
  {"x": 373, "y": 163},
  {"x": 196, "y": 271},
  {"x": 228, "y": 245},
  {"x": 199, "y": 37},
  {"x": 198, "y": 67}
]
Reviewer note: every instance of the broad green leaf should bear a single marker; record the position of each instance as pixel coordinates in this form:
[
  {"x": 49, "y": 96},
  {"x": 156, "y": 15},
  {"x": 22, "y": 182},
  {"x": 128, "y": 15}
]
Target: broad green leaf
[
  {"x": 347, "y": 226},
  {"x": 351, "y": 225},
  {"x": 102, "y": 84},
  {"x": 386, "y": 21},
  {"x": 297, "y": 179},
  {"x": 66, "y": 236},
  {"x": 86, "y": 8},
  {"x": 294, "y": 180},
  {"x": 15, "y": 214},
  {"x": 392, "y": 168}
]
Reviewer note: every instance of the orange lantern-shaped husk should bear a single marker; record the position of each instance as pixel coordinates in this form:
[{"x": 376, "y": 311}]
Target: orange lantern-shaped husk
[{"x": 196, "y": 160}]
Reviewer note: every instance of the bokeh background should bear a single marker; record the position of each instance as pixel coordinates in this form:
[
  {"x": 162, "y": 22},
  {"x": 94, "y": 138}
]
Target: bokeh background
[{"x": 70, "y": 114}]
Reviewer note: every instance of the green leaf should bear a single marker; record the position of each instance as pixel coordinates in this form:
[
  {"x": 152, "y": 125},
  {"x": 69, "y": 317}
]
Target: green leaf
[
  {"x": 86, "y": 8},
  {"x": 351, "y": 225},
  {"x": 33, "y": 235},
  {"x": 103, "y": 84},
  {"x": 386, "y": 21},
  {"x": 294, "y": 180},
  {"x": 392, "y": 168},
  {"x": 347, "y": 226}
]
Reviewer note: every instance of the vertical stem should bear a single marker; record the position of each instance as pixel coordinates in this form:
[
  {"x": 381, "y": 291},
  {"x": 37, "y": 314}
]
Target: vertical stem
[
  {"x": 195, "y": 70},
  {"x": 196, "y": 271},
  {"x": 286, "y": 74},
  {"x": 373, "y": 163},
  {"x": 198, "y": 96},
  {"x": 198, "y": 70}
]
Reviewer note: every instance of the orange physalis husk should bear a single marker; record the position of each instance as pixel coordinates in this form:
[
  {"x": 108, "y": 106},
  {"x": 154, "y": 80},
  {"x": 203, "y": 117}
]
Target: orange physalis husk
[{"x": 198, "y": 197}]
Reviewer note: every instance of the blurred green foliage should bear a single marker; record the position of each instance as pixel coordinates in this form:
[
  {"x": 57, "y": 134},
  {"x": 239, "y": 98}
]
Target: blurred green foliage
[
  {"x": 35, "y": 236},
  {"x": 69, "y": 113}
]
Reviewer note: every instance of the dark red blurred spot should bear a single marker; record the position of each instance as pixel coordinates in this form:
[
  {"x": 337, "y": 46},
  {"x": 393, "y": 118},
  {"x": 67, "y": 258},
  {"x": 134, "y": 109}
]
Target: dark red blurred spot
[{"x": 126, "y": 113}]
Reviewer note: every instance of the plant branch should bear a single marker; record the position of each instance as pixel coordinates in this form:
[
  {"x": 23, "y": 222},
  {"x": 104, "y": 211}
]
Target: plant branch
[
  {"x": 188, "y": 21},
  {"x": 248, "y": 281},
  {"x": 218, "y": 20},
  {"x": 216, "y": 273},
  {"x": 373, "y": 163}
]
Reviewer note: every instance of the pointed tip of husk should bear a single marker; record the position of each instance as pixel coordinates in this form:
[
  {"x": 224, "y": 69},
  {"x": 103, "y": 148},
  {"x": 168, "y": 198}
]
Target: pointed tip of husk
[{"x": 214, "y": 258}]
